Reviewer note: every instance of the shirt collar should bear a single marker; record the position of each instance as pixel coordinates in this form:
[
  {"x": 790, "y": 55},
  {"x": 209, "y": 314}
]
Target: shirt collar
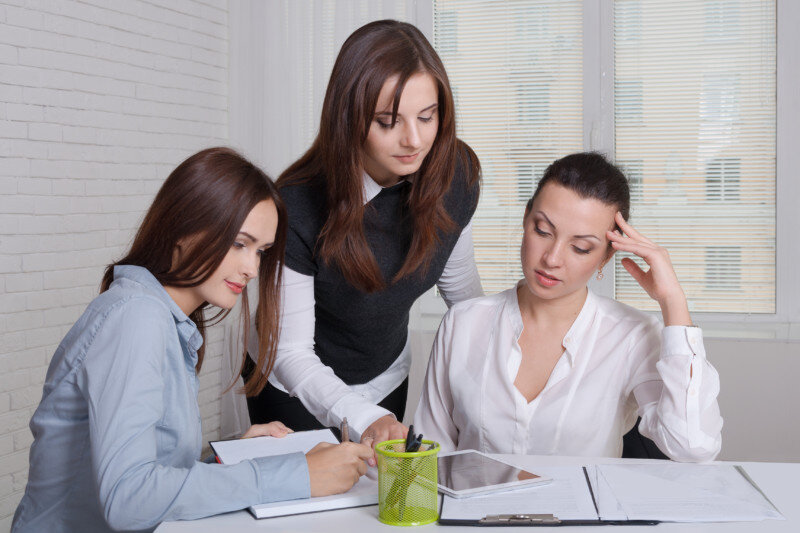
[
  {"x": 186, "y": 327},
  {"x": 371, "y": 187},
  {"x": 572, "y": 340}
]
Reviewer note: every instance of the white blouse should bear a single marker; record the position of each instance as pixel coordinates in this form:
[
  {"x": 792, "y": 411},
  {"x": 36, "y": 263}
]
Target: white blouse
[{"x": 618, "y": 363}]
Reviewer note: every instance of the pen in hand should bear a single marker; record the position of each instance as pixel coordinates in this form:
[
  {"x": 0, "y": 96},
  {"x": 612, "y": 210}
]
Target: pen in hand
[{"x": 345, "y": 437}]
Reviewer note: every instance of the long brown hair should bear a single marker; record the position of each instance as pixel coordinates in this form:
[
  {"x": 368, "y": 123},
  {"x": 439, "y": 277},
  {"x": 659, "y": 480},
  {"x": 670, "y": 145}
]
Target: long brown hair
[
  {"x": 371, "y": 55},
  {"x": 204, "y": 203}
]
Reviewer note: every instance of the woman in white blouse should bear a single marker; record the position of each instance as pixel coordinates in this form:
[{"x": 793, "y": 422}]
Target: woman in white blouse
[{"x": 548, "y": 367}]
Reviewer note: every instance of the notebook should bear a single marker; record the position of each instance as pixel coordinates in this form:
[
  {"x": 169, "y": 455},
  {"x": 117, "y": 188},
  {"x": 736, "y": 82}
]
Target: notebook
[{"x": 365, "y": 492}]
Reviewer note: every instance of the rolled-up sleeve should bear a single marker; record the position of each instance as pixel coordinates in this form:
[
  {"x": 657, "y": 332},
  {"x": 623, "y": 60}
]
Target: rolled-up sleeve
[
  {"x": 123, "y": 380},
  {"x": 678, "y": 402}
]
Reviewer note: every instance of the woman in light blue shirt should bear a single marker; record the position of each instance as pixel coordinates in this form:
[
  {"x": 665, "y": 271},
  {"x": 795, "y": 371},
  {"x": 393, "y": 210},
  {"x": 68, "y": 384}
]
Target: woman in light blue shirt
[{"x": 117, "y": 435}]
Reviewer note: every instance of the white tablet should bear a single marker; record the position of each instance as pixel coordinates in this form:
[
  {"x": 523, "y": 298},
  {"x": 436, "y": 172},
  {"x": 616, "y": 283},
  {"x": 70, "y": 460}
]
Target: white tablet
[{"x": 470, "y": 472}]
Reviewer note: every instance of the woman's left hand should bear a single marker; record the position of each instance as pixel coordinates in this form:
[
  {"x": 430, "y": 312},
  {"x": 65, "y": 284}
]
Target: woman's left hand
[
  {"x": 660, "y": 281},
  {"x": 273, "y": 429}
]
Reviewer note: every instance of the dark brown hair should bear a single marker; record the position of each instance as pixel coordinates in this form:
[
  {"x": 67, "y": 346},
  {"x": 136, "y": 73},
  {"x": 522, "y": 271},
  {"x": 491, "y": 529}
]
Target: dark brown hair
[
  {"x": 589, "y": 175},
  {"x": 204, "y": 203},
  {"x": 371, "y": 55}
]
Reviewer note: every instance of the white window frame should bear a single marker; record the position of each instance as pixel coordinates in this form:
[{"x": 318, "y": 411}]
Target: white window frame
[{"x": 598, "y": 134}]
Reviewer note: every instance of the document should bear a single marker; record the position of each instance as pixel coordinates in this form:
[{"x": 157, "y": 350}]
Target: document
[
  {"x": 678, "y": 492},
  {"x": 633, "y": 493},
  {"x": 365, "y": 492}
]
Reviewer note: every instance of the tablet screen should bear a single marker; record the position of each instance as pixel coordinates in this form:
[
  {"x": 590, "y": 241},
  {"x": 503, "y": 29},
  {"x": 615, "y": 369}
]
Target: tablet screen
[{"x": 471, "y": 470}]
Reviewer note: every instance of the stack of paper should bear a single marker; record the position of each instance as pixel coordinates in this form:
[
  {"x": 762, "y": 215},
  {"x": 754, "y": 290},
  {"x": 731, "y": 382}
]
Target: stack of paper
[{"x": 365, "y": 492}]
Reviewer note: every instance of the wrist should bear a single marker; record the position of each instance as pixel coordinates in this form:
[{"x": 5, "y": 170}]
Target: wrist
[{"x": 675, "y": 311}]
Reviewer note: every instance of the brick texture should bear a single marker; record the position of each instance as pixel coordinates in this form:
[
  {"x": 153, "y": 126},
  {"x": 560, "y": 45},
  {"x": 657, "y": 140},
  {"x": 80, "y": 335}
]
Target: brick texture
[{"x": 98, "y": 102}]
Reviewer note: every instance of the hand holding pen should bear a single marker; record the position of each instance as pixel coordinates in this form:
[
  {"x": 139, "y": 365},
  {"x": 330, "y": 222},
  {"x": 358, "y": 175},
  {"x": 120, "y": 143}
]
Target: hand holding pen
[
  {"x": 335, "y": 468},
  {"x": 366, "y": 441}
]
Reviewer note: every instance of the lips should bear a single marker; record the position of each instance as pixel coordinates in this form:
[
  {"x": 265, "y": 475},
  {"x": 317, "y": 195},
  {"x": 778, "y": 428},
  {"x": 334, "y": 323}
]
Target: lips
[
  {"x": 407, "y": 158},
  {"x": 546, "y": 280},
  {"x": 235, "y": 287}
]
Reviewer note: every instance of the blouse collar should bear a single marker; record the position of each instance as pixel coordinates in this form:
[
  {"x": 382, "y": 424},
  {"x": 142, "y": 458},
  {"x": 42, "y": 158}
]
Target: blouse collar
[
  {"x": 187, "y": 329},
  {"x": 573, "y": 338},
  {"x": 371, "y": 187}
]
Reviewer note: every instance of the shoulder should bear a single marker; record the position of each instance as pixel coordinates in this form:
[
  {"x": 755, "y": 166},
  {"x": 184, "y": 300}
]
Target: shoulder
[
  {"x": 462, "y": 197},
  {"x": 306, "y": 208},
  {"x": 131, "y": 311},
  {"x": 468, "y": 313},
  {"x": 468, "y": 169},
  {"x": 303, "y": 198},
  {"x": 626, "y": 318}
]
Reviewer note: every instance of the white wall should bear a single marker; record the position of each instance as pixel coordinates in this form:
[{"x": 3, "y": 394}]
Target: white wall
[{"x": 99, "y": 100}]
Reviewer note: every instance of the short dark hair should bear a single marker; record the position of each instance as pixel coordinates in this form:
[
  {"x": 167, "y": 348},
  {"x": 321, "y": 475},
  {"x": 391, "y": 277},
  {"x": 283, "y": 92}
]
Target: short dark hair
[{"x": 589, "y": 175}]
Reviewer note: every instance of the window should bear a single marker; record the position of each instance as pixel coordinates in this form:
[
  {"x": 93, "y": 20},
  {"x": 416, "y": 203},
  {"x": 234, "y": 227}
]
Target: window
[
  {"x": 692, "y": 115},
  {"x": 516, "y": 72}
]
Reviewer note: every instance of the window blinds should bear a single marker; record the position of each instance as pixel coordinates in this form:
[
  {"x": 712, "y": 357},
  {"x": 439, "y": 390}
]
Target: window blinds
[
  {"x": 694, "y": 121},
  {"x": 516, "y": 72},
  {"x": 694, "y": 126}
]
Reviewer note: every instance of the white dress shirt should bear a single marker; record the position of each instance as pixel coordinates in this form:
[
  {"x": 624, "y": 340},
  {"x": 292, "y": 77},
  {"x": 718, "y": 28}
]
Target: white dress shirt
[
  {"x": 299, "y": 371},
  {"x": 617, "y": 362}
]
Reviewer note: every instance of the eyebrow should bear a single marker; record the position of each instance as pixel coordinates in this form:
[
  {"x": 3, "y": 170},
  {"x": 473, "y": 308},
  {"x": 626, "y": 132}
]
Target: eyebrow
[
  {"x": 382, "y": 113},
  {"x": 574, "y": 236},
  {"x": 253, "y": 239}
]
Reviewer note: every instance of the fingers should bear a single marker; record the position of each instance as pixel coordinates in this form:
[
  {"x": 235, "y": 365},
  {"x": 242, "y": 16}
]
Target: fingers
[
  {"x": 628, "y": 229},
  {"x": 634, "y": 270},
  {"x": 273, "y": 429},
  {"x": 372, "y": 460},
  {"x": 645, "y": 251}
]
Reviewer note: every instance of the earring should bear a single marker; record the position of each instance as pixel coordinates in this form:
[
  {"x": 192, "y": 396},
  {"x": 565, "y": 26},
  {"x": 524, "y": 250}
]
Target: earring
[{"x": 600, "y": 274}]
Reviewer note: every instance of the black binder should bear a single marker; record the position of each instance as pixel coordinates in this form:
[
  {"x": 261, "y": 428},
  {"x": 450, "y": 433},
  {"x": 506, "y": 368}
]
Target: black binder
[{"x": 541, "y": 520}]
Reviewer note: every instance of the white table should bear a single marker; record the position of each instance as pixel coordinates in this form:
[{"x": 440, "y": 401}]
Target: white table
[{"x": 779, "y": 481}]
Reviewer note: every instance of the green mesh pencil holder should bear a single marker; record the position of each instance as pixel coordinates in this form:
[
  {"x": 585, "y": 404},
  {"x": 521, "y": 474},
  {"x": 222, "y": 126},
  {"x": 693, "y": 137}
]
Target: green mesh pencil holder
[{"x": 407, "y": 483}]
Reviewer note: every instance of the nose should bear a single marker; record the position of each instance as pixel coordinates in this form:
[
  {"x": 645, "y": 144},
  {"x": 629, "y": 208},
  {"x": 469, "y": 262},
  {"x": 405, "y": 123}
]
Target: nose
[
  {"x": 552, "y": 256},
  {"x": 410, "y": 138},
  {"x": 250, "y": 265}
]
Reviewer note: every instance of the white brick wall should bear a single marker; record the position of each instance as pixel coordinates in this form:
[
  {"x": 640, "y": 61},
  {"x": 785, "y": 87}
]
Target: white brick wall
[{"x": 99, "y": 100}]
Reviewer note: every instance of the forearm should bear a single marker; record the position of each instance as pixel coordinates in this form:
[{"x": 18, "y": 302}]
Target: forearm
[
  {"x": 681, "y": 413},
  {"x": 144, "y": 495}
]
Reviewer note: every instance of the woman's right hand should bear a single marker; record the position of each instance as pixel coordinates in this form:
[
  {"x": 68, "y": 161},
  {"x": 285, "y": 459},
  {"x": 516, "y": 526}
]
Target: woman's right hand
[{"x": 335, "y": 468}]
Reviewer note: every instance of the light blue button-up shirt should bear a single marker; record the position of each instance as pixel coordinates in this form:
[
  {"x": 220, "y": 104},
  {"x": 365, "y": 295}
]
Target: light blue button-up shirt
[{"x": 117, "y": 436}]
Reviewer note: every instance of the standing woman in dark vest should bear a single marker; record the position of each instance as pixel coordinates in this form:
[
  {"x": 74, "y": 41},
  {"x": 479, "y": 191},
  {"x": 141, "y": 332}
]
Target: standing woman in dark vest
[{"x": 379, "y": 211}]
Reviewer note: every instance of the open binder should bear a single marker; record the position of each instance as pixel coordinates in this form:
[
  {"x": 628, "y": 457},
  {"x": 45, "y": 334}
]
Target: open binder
[{"x": 621, "y": 494}]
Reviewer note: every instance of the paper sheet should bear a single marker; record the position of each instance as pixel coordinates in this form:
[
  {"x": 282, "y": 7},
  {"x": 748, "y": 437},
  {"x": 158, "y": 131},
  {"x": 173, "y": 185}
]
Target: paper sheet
[
  {"x": 235, "y": 451},
  {"x": 683, "y": 493},
  {"x": 566, "y": 496}
]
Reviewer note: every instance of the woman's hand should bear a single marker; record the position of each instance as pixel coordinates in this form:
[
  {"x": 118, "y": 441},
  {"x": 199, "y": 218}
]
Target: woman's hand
[
  {"x": 384, "y": 428},
  {"x": 273, "y": 429},
  {"x": 660, "y": 281},
  {"x": 335, "y": 468}
]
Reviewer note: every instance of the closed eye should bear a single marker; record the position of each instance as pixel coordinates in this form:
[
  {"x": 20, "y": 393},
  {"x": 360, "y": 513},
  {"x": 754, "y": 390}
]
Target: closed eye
[{"x": 581, "y": 250}]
